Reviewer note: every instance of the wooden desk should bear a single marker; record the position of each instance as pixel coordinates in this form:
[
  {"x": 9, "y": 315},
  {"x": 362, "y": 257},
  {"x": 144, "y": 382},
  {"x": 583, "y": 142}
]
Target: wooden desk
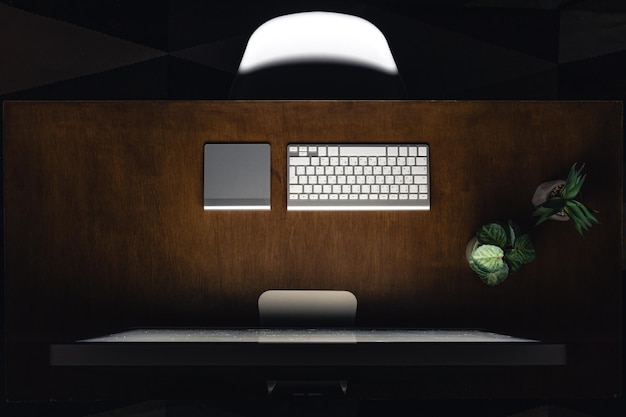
[{"x": 105, "y": 231}]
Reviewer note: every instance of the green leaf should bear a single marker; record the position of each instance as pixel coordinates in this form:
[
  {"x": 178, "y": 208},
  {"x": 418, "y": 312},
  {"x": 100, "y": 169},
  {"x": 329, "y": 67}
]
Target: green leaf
[
  {"x": 492, "y": 234},
  {"x": 522, "y": 253},
  {"x": 524, "y": 249},
  {"x": 555, "y": 204},
  {"x": 577, "y": 215},
  {"x": 543, "y": 213},
  {"x": 588, "y": 213},
  {"x": 514, "y": 231},
  {"x": 514, "y": 265},
  {"x": 487, "y": 262},
  {"x": 574, "y": 182},
  {"x": 486, "y": 258},
  {"x": 495, "y": 277}
]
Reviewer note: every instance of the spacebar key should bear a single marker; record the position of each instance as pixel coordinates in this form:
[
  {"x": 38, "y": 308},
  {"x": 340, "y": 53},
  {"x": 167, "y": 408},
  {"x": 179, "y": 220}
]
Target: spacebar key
[{"x": 363, "y": 151}]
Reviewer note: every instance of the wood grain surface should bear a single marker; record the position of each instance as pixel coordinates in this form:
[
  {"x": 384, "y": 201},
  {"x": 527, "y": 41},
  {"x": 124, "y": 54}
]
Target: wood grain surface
[{"x": 105, "y": 227}]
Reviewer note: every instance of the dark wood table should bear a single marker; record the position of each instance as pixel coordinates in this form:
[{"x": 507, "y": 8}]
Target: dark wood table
[{"x": 105, "y": 231}]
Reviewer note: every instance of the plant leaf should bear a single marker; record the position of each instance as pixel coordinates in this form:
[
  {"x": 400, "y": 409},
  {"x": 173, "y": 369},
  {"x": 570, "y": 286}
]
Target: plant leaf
[
  {"x": 492, "y": 234},
  {"x": 487, "y": 262},
  {"x": 544, "y": 214},
  {"x": 486, "y": 258},
  {"x": 580, "y": 222},
  {"x": 514, "y": 265},
  {"x": 495, "y": 277},
  {"x": 555, "y": 204},
  {"x": 588, "y": 213},
  {"x": 574, "y": 182},
  {"x": 522, "y": 253},
  {"x": 577, "y": 222},
  {"x": 578, "y": 214},
  {"x": 512, "y": 230}
]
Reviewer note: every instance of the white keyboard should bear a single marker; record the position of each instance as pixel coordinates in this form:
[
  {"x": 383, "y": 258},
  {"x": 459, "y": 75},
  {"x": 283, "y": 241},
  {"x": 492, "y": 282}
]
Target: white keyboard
[{"x": 358, "y": 177}]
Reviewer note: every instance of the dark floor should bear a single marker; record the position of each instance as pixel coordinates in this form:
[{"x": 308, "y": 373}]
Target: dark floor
[{"x": 189, "y": 49}]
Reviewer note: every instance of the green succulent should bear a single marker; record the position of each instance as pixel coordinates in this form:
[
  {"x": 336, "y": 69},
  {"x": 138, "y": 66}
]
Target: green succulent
[
  {"x": 501, "y": 249},
  {"x": 564, "y": 201}
]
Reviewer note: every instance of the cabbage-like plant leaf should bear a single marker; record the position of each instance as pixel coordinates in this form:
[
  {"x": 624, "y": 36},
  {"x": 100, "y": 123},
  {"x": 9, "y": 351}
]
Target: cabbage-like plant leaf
[
  {"x": 488, "y": 263},
  {"x": 514, "y": 264},
  {"x": 495, "y": 277},
  {"x": 492, "y": 234},
  {"x": 522, "y": 253},
  {"x": 486, "y": 258}
]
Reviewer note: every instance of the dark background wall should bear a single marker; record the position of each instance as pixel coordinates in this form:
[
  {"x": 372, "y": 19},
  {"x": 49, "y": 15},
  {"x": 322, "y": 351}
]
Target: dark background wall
[{"x": 185, "y": 49}]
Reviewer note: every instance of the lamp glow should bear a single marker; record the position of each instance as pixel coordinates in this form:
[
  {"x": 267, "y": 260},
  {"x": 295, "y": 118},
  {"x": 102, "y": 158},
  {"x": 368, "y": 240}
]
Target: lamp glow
[{"x": 323, "y": 37}]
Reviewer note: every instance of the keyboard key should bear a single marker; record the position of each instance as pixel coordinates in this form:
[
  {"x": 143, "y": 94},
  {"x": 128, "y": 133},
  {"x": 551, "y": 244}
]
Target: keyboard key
[
  {"x": 299, "y": 160},
  {"x": 362, "y": 151}
]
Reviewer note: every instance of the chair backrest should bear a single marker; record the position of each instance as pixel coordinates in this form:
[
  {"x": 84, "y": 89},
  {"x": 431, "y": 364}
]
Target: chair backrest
[
  {"x": 307, "y": 308},
  {"x": 317, "y": 55}
]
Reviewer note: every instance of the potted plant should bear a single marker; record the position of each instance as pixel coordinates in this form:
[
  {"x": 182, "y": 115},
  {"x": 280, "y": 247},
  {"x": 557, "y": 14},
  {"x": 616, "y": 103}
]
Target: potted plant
[
  {"x": 559, "y": 200},
  {"x": 499, "y": 249}
]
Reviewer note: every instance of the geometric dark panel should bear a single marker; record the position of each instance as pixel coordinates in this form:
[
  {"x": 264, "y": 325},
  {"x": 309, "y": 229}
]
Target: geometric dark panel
[
  {"x": 146, "y": 80},
  {"x": 195, "y": 23},
  {"x": 532, "y": 32},
  {"x": 191, "y": 81},
  {"x": 537, "y": 86},
  {"x": 38, "y": 50},
  {"x": 611, "y": 6},
  {"x": 223, "y": 54},
  {"x": 585, "y": 34},
  {"x": 598, "y": 78},
  {"x": 520, "y": 4},
  {"x": 437, "y": 63},
  {"x": 134, "y": 20}
]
